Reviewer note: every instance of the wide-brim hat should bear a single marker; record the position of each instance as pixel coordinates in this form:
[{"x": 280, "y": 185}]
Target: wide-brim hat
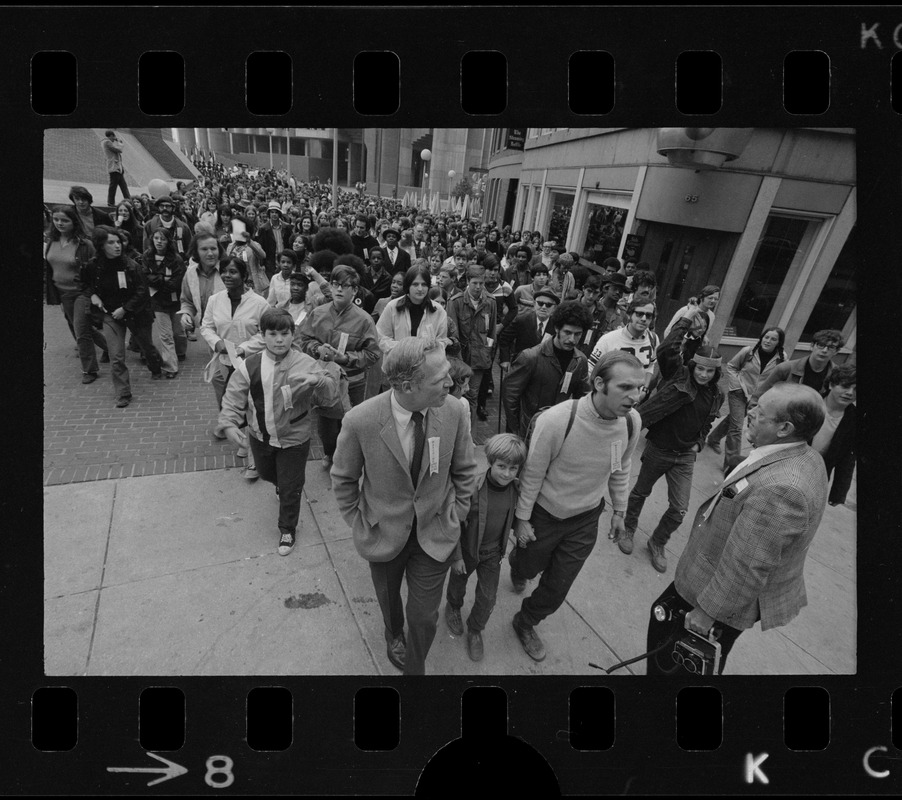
[
  {"x": 274, "y": 206},
  {"x": 546, "y": 293},
  {"x": 393, "y": 230},
  {"x": 616, "y": 278}
]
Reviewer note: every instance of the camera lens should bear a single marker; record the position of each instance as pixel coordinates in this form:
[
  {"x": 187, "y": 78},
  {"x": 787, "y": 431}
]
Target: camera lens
[{"x": 660, "y": 613}]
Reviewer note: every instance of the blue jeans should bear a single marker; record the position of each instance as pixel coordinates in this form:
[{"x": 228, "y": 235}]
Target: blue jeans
[
  {"x": 77, "y": 310},
  {"x": 731, "y": 427},
  {"x": 488, "y": 571},
  {"x": 677, "y": 467},
  {"x": 114, "y": 333},
  {"x": 170, "y": 334}
]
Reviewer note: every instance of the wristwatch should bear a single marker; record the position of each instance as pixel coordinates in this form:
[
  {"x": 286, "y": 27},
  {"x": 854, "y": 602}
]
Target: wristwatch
[{"x": 620, "y": 513}]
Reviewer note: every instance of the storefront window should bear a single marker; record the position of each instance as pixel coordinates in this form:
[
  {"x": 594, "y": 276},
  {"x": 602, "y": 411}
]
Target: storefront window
[
  {"x": 782, "y": 249},
  {"x": 836, "y": 303},
  {"x": 604, "y": 232},
  {"x": 561, "y": 209}
]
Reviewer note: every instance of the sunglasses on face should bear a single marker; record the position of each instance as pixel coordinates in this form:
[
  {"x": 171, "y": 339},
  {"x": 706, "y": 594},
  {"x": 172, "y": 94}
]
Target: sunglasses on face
[
  {"x": 542, "y": 304},
  {"x": 644, "y": 314}
]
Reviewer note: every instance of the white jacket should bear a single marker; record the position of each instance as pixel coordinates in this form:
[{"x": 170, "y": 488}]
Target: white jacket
[
  {"x": 394, "y": 324},
  {"x": 220, "y": 324}
]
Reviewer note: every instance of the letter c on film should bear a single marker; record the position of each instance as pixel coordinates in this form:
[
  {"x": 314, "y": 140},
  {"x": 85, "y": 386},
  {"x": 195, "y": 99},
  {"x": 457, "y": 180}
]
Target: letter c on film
[{"x": 867, "y": 765}]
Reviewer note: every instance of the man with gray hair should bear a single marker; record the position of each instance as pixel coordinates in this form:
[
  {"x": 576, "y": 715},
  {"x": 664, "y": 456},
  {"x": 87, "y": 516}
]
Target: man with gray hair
[
  {"x": 745, "y": 557},
  {"x": 412, "y": 448}
]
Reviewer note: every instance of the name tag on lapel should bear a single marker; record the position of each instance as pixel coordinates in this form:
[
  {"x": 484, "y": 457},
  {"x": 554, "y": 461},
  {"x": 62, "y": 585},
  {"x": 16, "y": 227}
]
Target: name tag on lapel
[
  {"x": 565, "y": 385},
  {"x": 433, "y": 455}
]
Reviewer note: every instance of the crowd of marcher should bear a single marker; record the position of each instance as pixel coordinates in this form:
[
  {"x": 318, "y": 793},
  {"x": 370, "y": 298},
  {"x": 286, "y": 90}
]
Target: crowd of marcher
[{"x": 367, "y": 312}]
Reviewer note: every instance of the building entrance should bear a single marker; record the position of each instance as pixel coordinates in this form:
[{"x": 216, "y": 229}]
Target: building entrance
[{"x": 684, "y": 260}]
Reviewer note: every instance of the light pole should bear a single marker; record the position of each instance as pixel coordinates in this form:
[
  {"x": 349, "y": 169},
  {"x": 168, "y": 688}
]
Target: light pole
[{"x": 451, "y": 174}]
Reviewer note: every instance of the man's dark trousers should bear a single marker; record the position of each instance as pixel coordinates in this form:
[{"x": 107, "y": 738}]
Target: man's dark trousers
[
  {"x": 559, "y": 552},
  {"x": 425, "y": 581},
  {"x": 117, "y": 180},
  {"x": 659, "y": 632}
]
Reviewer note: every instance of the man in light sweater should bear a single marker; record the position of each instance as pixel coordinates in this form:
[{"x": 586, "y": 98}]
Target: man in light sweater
[{"x": 572, "y": 457}]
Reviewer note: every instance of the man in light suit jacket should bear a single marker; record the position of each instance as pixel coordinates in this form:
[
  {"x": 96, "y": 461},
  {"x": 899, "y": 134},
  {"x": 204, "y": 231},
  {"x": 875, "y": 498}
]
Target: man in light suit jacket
[
  {"x": 745, "y": 557},
  {"x": 412, "y": 447}
]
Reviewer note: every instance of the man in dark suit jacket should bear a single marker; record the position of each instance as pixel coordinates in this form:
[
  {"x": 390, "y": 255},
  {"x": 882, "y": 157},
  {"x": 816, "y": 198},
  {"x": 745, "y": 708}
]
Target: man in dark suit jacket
[
  {"x": 745, "y": 557},
  {"x": 274, "y": 236},
  {"x": 396, "y": 259},
  {"x": 413, "y": 450},
  {"x": 523, "y": 331}
]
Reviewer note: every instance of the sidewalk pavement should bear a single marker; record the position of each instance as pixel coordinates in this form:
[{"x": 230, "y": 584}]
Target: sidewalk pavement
[{"x": 178, "y": 574}]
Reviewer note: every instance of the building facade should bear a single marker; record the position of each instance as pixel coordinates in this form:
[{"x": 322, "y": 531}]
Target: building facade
[
  {"x": 305, "y": 152},
  {"x": 766, "y": 214}
]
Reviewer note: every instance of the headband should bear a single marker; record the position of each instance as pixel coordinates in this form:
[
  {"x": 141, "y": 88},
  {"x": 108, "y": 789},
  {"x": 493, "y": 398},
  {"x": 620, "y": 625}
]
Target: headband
[{"x": 703, "y": 361}]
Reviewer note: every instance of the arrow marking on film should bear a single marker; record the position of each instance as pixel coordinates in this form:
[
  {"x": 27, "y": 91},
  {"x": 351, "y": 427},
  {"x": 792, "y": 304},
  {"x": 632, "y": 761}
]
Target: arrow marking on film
[{"x": 171, "y": 770}]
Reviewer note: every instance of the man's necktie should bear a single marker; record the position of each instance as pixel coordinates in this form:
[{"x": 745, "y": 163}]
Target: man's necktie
[
  {"x": 419, "y": 439},
  {"x": 541, "y": 329},
  {"x": 393, "y": 254}
]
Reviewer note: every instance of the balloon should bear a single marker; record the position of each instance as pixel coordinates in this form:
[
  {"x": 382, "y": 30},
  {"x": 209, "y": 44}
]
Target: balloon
[
  {"x": 157, "y": 188},
  {"x": 425, "y": 154},
  {"x": 451, "y": 173}
]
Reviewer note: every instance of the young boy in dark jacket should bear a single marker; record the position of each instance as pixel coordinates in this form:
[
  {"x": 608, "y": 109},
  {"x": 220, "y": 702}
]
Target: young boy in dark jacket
[{"x": 484, "y": 537}]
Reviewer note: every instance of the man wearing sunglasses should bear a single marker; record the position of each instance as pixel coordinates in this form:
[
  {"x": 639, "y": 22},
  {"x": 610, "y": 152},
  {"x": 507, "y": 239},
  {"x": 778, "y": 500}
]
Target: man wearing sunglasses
[
  {"x": 812, "y": 370},
  {"x": 637, "y": 338},
  {"x": 528, "y": 329}
]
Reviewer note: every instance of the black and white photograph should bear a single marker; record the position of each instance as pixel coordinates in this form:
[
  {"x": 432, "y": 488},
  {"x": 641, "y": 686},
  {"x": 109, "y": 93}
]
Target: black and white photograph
[{"x": 449, "y": 401}]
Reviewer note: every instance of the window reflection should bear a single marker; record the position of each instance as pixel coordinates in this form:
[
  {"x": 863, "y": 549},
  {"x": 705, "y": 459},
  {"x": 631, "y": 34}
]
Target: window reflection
[{"x": 605, "y": 230}]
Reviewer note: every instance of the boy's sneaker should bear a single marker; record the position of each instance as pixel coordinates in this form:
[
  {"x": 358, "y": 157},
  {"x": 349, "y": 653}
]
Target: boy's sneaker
[
  {"x": 474, "y": 645},
  {"x": 250, "y": 473},
  {"x": 286, "y": 544},
  {"x": 530, "y": 640},
  {"x": 452, "y": 617}
]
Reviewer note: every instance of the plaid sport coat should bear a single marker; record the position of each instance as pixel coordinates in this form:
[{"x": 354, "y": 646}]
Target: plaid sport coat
[{"x": 746, "y": 560}]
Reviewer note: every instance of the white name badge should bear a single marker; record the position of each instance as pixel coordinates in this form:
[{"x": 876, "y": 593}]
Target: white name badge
[
  {"x": 490, "y": 342},
  {"x": 565, "y": 386},
  {"x": 433, "y": 455},
  {"x": 342, "y": 343},
  {"x": 178, "y": 244},
  {"x": 741, "y": 485},
  {"x": 486, "y": 320},
  {"x": 616, "y": 453},
  {"x": 366, "y": 253},
  {"x": 122, "y": 283},
  {"x": 588, "y": 336},
  {"x": 286, "y": 397}
]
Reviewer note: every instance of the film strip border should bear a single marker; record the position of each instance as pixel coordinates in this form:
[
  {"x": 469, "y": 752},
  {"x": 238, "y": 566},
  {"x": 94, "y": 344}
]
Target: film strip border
[
  {"x": 700, "y": 83},
  {"x": 325, "y": 752},
  {"x": 599, "y": 739}
]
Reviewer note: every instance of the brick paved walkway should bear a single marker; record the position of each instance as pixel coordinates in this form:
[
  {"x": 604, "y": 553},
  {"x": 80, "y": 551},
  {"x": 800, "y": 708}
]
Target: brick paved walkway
[{"x": 166, "y": 429}]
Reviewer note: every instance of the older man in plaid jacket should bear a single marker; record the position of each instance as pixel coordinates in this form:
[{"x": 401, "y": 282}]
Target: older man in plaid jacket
[{"x": 745, "y": 557}]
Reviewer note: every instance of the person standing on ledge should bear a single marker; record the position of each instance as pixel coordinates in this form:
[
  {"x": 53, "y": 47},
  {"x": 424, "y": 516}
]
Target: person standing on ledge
[{"x": 112, "y": 149}]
